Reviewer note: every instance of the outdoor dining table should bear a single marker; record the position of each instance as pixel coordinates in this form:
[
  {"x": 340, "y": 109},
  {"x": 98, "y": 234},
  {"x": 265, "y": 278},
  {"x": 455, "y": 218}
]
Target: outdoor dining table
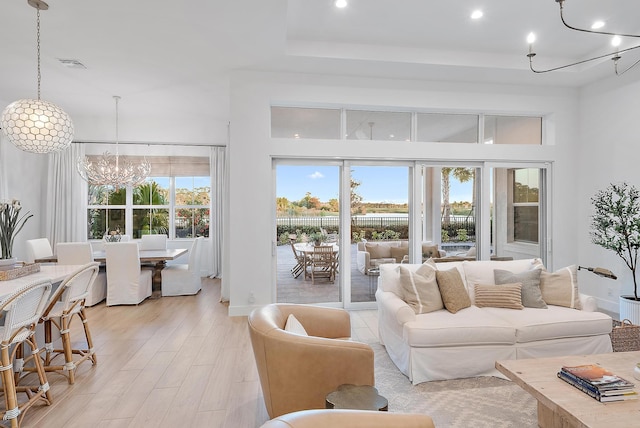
[
  {"x": 307, "y": 249},
  {"x": 159, "y": 257}
]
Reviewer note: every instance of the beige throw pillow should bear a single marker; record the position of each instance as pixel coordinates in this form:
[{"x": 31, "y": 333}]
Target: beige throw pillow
[
  {"x": 454, "y": 294},
  {"x": 499, "y": 296},
  {"x": 293, "y": 326},
  {"x": 399, "y": 252},
  {"x": 378, "y": 251},
  {"x": 420, "y": 289},
  {"x": 530, "y": 281},
  {"x": 560, "y": 288}
]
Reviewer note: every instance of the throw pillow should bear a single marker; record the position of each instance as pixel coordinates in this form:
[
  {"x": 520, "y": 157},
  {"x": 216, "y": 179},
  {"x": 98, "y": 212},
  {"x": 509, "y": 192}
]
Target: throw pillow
[
  {"x": 378, "y": 251},
  {"x": 452, "y": 289},
  {"x": 530, "y": 280},
  {"x": 399, "y": 252},
  {"x": 499, "y": 296},
  {"x": 430, "y": 251},
  {"x": 560, "y": 288},
  {"x": 293, "y": 326},
  {"x": 420, "y": 289}
]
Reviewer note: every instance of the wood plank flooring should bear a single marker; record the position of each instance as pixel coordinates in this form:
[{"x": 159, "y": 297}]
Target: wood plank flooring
[{"x": 169, "y": 362}]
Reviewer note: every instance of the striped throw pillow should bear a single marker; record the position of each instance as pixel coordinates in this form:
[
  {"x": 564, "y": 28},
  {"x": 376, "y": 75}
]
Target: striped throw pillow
[{"x": 499, "y": 296}]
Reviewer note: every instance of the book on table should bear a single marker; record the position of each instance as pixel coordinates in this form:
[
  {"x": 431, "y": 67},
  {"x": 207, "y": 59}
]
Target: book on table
[{"x": 598, "y": 382}]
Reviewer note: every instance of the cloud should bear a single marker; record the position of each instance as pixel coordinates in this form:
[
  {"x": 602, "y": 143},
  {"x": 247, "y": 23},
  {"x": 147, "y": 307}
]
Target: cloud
[{"x": 316, "y": 174}]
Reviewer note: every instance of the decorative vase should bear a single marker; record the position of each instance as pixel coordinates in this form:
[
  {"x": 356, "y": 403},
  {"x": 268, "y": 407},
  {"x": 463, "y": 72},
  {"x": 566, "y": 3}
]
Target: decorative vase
[
  {"x": 630, "y": 309},
  {"x": 8, "y": 262}
]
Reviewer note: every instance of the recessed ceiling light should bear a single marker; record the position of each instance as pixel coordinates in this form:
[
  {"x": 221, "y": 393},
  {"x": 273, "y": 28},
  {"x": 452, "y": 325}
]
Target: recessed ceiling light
[
  {"x": 477, "y": 14},
  {"x": 616, "y": 41},
  {"x": 597, "y": 24},
  {"x": 341, "y": 3}
]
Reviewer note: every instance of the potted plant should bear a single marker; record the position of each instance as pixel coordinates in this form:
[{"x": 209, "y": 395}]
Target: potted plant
[
  {"x": 11, "y": 223},
  {"x": 317, "y": 238},
  {"x": 615, "y": 225}
]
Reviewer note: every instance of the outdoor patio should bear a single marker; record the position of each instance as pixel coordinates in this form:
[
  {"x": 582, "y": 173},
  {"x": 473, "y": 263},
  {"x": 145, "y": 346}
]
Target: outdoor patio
[{"x": 299, "y": 290}]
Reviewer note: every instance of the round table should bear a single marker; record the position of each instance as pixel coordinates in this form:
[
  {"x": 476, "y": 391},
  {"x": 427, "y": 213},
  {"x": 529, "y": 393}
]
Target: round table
[
  {"x": 373, "y": 274},
  {"x": 358, "y": 397}
]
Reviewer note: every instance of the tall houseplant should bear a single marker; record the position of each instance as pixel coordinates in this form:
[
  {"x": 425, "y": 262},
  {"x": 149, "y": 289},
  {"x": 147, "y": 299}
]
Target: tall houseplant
[
  {"x": 615, "y": 225},
  {"x": 11, "y": 223}
]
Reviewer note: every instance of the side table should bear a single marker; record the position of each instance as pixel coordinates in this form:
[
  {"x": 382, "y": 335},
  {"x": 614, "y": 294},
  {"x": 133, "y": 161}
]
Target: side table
[
  {"x": 373, "y": 274},
  {"x": 358, "y": 397}
]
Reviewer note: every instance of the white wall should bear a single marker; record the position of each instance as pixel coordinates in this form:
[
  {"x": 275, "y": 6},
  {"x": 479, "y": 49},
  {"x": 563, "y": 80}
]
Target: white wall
[
  {"x": 251, "y": 224},
  {"x": 608, "y": 151}
]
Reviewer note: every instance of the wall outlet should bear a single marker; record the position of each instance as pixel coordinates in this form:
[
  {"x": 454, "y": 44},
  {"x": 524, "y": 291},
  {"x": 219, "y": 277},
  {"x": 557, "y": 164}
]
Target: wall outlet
[
  {"x": 609, "y": 291},
  {"x": 252, "y": 298}
]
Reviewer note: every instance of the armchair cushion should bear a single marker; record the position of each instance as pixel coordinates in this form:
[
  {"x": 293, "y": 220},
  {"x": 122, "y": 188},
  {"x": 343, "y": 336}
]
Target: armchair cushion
[
  {"x": 377, "y": 251},
  {"x": 293, "y": 325},
  {"x": 429, "y": 251},
  {"x": 398, "y": 253}
]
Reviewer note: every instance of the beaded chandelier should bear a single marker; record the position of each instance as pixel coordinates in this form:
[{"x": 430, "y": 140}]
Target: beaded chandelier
[
  {"x": 110, "y": 170},
  {"x": 37, "y": 126}
]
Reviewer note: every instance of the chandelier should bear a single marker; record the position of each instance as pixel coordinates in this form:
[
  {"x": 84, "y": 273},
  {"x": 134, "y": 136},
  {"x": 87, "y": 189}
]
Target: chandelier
[
  {"x": 37, "y": 126},
  {"x": 110, "y": 170},
  {"x": 615, "y": 56}
]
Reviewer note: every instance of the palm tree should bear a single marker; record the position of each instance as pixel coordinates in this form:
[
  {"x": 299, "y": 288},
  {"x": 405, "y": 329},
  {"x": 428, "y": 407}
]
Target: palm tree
[{"x": 462, "y": 175}]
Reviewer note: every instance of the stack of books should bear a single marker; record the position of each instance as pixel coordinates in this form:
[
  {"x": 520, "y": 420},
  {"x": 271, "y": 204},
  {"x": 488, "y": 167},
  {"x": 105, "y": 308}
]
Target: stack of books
[{"x": 598, "y": 382}]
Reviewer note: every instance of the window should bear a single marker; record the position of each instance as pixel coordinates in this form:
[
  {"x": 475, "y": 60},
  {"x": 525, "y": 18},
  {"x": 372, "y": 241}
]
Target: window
[
  {"x": 295, "y": 122},
  {"x": 170, "y": 202},
  {"x": 378, "y": 125},
  {"x": 525, "y": 189},
  {"x": 512, "y": 130},
  {"x": 447, "y": 128}
]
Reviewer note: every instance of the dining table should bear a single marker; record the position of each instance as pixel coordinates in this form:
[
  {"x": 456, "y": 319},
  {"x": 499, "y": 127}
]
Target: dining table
[
  {"x": 158, "y": 257},
  {"x": 307, "y": 249},
  {"x": 53, "y": 273}
]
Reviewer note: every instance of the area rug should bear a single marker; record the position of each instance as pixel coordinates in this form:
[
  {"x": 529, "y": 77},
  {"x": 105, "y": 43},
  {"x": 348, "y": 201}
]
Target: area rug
[{"x": 475, "y": 402}]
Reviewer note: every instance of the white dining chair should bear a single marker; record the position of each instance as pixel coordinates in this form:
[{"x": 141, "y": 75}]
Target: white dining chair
[
  {"x": 181, "y": 279},
  {"x": 153, "y": 242},
  {"x": 38, "y": 248},
  {"x": 80, "y": 253},
  {"x": 127, "y": 283}
]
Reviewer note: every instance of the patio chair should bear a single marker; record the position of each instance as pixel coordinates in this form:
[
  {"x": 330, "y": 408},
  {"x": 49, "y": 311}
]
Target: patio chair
[
  {"x": 81, "y": 253},
  {"x": 67, "y": 301},
  {"x": 323, "y": 263},
  {"x": 127, "y": 284},
  {"x": 301, "y": 262},
  {"x": 22, "y": 310}
]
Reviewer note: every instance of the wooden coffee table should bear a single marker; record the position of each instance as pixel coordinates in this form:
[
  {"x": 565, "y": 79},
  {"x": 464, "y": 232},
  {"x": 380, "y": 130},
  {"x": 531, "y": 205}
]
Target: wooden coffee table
[{"x": 562, "y": 405}]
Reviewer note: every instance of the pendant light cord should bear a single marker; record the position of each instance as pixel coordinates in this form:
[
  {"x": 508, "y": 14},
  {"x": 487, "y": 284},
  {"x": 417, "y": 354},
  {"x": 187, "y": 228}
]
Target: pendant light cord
[
  {"x": 117, "y": 98},
  {"x": 38, "y": 48}
]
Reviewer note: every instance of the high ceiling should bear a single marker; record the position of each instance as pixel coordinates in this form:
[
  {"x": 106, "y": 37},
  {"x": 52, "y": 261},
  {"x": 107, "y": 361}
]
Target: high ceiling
[{"x": 172, "y": 58}]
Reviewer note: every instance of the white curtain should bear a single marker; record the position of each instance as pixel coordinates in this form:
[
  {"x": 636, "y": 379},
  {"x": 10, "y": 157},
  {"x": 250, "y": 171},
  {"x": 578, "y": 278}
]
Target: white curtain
[
  {"x": 218, "y": 167},
  {"x": 66, "y": 198}
]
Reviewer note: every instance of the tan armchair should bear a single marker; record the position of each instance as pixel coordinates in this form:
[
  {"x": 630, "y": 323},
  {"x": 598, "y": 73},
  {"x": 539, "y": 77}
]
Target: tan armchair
[
  {"x": 349, "y": 418},
  {"x": 297, "y": 372}
]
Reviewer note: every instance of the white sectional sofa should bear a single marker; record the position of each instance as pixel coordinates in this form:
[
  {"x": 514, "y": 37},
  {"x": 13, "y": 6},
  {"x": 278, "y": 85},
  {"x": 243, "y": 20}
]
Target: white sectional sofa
[{"x": 443, "y": 345}]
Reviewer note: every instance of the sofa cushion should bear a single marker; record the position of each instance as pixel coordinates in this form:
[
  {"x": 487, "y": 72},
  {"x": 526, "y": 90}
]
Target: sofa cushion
[
  {"x": 399, "y": 252},
  {"x": 481, "y": 271},
  {"x": 556, "y": 322},
  {"x": 420, "y": 289},
  {"x": 499, "y": 296},
  {"x": 530, "y": 280},
  {"x": 430, "y": 251},
  {"x": 378, "y": 251},
  {"x": 560, "y": 288},
  {"x": 452, "y": 289},
  {"x": 469, "y": 326}
]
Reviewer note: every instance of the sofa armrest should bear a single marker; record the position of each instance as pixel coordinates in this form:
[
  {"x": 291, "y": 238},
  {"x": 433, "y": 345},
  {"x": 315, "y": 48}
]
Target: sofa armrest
[
  {"x": 588, "y": 303},
  {"x": 362, "y": 261},
  {"x": 394, "y": 308}
]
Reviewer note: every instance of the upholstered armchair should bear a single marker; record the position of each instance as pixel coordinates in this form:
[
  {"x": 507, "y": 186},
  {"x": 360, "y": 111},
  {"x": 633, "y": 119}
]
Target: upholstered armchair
[
  {"x": 297, "y": 371},
  {"x": 336, "y": 418}
]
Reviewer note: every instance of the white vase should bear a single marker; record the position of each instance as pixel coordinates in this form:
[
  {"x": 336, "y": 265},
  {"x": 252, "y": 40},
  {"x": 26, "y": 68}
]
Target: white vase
[
  {"x": 8, "y": 262},
  {"x": 630, "y": 310}
]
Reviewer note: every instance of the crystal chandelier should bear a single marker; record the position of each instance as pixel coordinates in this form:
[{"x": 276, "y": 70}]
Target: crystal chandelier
[
  {"x": 110, "y": 170},
  {"x": 37, "y": 126},
  {"x": 615, "y": 56}
]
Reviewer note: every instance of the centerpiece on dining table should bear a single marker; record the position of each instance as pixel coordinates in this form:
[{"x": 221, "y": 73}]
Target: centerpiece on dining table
[{"x": 113, "y": 235}]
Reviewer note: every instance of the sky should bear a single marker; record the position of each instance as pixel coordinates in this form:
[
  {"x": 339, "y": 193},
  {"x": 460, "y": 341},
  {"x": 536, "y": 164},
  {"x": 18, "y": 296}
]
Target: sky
[{"x": 378, "y": 184}]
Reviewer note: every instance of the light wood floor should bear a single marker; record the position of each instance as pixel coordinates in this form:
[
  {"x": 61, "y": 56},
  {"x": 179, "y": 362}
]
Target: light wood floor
[{"x": 169, "y": 362}]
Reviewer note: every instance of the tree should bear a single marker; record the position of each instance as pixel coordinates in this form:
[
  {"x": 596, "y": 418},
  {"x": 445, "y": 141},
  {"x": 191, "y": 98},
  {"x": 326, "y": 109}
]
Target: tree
[
  {"x": 462, "y": 175},
  {"x": 282, "y": 204},
  {"x": 334, "y": 205},
  {"x": 357, "y": 207}
]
